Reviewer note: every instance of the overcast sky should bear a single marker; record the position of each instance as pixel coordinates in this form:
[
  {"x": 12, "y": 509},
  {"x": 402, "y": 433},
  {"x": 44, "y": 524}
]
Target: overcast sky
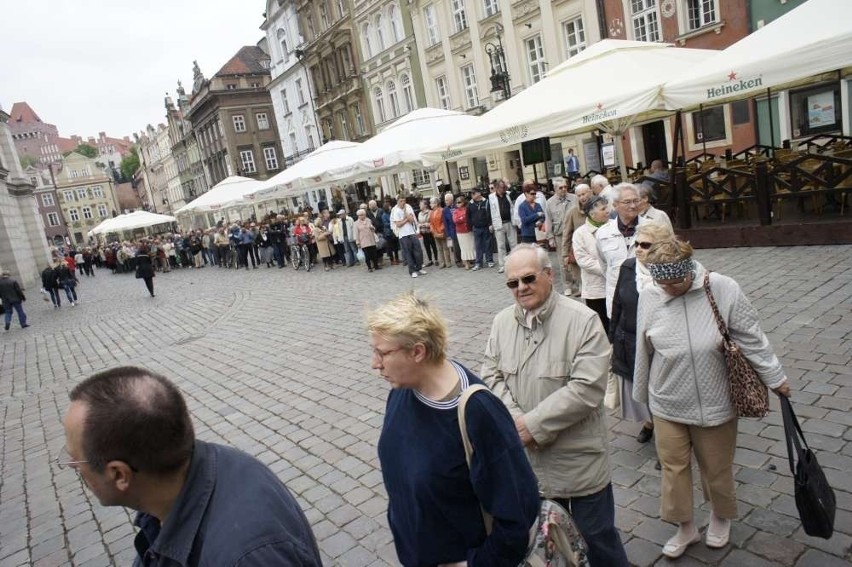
[{"x": 92, "y": 66}]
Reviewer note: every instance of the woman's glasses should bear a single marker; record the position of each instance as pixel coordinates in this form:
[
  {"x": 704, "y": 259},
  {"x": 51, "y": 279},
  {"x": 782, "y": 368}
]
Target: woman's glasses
[
  {"x": 644, "y": 245},
  {"x": 528, "y": 279}
]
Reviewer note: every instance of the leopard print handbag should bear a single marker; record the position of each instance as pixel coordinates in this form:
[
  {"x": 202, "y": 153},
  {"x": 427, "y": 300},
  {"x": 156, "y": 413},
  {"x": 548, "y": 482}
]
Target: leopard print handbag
[{"x": 749, "y": 395}]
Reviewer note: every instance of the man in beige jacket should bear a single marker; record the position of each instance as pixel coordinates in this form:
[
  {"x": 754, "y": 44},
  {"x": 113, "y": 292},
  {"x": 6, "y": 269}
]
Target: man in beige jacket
[{"x": 547, "y": 358}]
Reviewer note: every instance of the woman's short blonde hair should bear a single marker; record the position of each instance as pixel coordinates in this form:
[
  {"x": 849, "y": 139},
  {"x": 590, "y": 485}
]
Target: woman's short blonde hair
[
  {"x": 669, "y": 251},
  {"x": 409, "y": 320},
  {"x": 657, "y": 231}
]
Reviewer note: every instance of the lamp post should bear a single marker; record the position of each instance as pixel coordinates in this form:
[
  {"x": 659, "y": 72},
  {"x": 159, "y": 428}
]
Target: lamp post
[{"x": 500, "y": 80}]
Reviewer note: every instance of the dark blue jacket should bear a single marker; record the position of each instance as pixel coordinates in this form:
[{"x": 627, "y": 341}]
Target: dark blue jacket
[
  {"x": 529, "y": 217},
  {"x": 232, "y": 511},
  {"x": 449, "y": 225},
  {"x": 434, "y": 498}
]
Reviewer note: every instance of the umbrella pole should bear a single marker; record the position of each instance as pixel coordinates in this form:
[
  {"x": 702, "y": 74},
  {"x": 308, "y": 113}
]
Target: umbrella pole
[
  {"x": 622, "y": 167},
  {"x": 703, "y": 136},
  {"x": 771, "y": 119}
]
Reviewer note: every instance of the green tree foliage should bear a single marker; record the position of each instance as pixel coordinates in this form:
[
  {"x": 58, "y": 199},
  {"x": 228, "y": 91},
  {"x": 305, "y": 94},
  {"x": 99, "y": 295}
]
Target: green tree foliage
[
  {"x": 28, "y": 160},
  {"x": 130, "y": 164},
  {"x": 87, "y": 150}
]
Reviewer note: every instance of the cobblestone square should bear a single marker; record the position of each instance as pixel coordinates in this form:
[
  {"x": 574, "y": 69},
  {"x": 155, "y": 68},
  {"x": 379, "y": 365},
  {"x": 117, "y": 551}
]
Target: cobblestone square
[{"x": 276, "y": 363}]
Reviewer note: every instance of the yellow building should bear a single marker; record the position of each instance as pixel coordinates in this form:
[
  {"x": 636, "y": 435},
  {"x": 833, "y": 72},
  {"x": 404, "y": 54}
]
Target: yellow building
[{"x": 86, "y": 195}]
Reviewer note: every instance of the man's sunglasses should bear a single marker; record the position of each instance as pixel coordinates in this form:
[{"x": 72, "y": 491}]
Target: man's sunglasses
[{"x": 528, "y": 279}]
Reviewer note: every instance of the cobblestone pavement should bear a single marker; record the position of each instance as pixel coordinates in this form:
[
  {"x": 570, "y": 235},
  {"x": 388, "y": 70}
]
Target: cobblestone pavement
[{"x": 276, "y": 363}]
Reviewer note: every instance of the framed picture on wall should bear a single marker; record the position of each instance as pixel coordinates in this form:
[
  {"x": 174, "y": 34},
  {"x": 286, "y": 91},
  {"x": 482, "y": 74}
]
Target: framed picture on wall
[
  {"x": 492, "y": 162},
  {"x": 464, "y": 173}
]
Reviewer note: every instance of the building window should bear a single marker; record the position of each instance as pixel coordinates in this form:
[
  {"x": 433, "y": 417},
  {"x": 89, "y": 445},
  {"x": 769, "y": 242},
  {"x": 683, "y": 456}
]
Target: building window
[
  {"x": 359, "y": 120},
  {"x": 47, "y": 200},
  {"x": 421, "y": 177},
  {"x": 239, "y": 123},
  {"x": 284, "y": 102},
  {"x": 102, "y": 211},
  {"x": 74, "y": 215},
  {"x": 407, "y": 93},
  {"x": 87, "y": 213},
  {"x": 535, "y": 58},
  {"x": 380, "y": 33},
  {"x": 366, "y": 38},
  {"x": 300, "y": 94},
  {"x": 293, "y": 144},
  {"x": 341, "y": 8},
  {"x": 709, "y": 125},
  {"x": 380, "y": 104},
  {"x": 323, "y": 9},
  {"x": 73, "y": 174},
  {"x": 285, "y": 48},
  {"x": 646, "y": 22},
  {"x": 348, "y": 68},
  {"x": 81, "y": 193},
  {"x": 271, "y": 158},
  {"x": 247, "y": 159},
  {"x": 470, "y": 92},
  {"x": 309, "y": 136},
  {"x": 700, "y": 13},
  {"x": 443, "y": 92},
  {"x": 262, "y": 121},
  {"x": 393, "y": 98},
  {"x": 344, "y": 126},
  {"x": 52, "y": 219},
  {"x": 98, "y": 191},
  {"x": 575, "y": 36},
  {"x": 816, "y": 110},
  {"x": 69, "y": 196},
  {"x": 459, "y": 15},
  {"x": 395, "y": 23},
  {"x": 231, "y": 87},
  {"x": 431, "y": 18},
  {"x": 491, "y": 7}
]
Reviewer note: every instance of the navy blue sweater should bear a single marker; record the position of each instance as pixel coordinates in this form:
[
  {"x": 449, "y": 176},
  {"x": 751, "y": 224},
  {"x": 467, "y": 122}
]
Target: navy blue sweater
[{"x": 434, "y": 499}]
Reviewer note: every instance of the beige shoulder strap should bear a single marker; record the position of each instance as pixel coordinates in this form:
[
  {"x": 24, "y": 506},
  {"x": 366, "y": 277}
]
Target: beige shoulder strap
[{"x": 468, "y": 448}]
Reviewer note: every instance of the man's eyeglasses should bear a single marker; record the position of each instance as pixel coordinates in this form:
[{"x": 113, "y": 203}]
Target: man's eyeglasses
[
  {"x": 64, "y": 460},
  {"x": 382, "y": 354},
  {"x": 528, "y": 279},
  {"x": 629, "y": 202},
  {"x": 644, "y": 245}
]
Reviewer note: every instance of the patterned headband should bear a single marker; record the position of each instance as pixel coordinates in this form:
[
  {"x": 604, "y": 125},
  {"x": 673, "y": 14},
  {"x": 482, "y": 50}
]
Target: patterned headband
[{"x": 672, "y": 270}]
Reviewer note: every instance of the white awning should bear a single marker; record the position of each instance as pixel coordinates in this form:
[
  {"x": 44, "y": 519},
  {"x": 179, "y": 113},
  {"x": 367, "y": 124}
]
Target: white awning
[
  {"x": 131, "y": 221},
  {"x": 229, "y": 192}
]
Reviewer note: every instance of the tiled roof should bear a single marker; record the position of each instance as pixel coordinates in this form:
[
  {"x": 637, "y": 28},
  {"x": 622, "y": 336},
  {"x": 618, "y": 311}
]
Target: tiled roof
[
  {"x": 23, "y": 112},
  {"x": 248, "y": 60},
  {"x": 66, "y": 144}
]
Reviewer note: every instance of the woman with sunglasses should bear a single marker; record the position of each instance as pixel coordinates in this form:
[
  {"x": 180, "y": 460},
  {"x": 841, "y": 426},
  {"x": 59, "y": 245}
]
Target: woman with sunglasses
[
  {"x": 632, "y": 277},
  {"x": 680, "y": 372},
  {"x": 464, "y": 231},
  {"x": 435, "y": 501},
  {"x": 584, "y": 243}
]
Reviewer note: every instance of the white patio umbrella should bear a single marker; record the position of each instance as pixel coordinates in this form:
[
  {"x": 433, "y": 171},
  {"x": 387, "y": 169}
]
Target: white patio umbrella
[
  {"x": 608, "y": 86},
  {"x": 401, "y": 145},
  {"x": 131, "y": 221},
  {"x": 229, "y": 192},
  {"x": 814, "y": 38},
  {"x": 307, "y": 173}
]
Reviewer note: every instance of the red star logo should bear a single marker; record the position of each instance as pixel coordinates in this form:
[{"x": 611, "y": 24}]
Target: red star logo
[
  {"x": 732, "y": 76},
  {"x": 600, "y": 106}
]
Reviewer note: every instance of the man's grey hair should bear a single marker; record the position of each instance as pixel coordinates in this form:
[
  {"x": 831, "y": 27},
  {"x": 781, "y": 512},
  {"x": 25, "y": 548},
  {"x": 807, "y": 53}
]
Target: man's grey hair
[
  {"x": 599, "y": 181},
  {"x": 540, "y": 253},
  {"x": 621, "y": 188},
  {"x": 373, "y": 203},
  {"x": 450, "y": 195},
  {"x": 559, "y": 183},
  {"x": 644, "y": 190},
  {"x": 434, "y": 201}
]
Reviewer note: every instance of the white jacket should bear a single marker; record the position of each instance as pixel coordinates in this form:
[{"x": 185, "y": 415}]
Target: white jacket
[
  {"x": 613, "y": 249},
  {"x": 680, "y": 369},
  {"x": 496, "y": 221},
  {"x": 586, "y": 253}
]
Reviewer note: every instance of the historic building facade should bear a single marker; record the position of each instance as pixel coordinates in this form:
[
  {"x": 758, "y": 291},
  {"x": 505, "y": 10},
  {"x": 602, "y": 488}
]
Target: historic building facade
[
  {"x": 233, "y": 119},
  {"x": 330, "y": 54},
  {"x": 289, "y": 87},
  {"x": 23, "y": 249},
  {"x": 152, "y": 164},
  {"x": 85, "y": 195},
  {"x": 184, "y": 148},
  {"x": 44, "y": 191},
  {"x": 32, "y": 136}
]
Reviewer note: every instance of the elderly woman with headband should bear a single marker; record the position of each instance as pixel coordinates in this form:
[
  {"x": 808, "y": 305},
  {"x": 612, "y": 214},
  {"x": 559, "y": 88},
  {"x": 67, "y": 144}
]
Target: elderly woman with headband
[
  {"x": 680, "y": 372},
  {"x": 435, "y": 501},
  {"x": 584, "y": 244}
]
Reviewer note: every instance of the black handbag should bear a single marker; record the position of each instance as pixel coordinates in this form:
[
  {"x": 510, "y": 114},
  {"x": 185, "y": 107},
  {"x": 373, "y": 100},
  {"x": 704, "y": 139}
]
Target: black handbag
[{"x": 814, "y": 497}]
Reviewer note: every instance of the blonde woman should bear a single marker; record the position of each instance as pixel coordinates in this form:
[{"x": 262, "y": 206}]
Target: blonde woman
[
  {"x": 584, "y": 244},
  {"x": 435, "y": 501},
  {"x": 325, "y": 248}
]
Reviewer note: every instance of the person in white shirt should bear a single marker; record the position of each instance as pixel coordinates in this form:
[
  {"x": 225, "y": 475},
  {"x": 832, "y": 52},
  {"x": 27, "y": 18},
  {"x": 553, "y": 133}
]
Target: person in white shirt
[
  {"x": 503, "y": 222},
  {"x": 404, "y": 224},
  {"x": 600, "y": 186}
]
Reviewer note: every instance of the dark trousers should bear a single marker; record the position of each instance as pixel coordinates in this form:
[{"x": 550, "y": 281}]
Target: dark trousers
[
  {"x": 595, "y": 517},
  {"x": 55, "y": 298},
  {"x": 599, "y": 307},
  {"x": 278, "y": 253},
  {"x": 482, "y": 240},
  {"x": 430, "y": 246},
  {"x": 149, "y": 283},
  {"x": 528, "y": 239},
  {"x": 255, "y": 259},
  {"x": 371, "y": 257},
  {"x": 70, "y": 290},
  {"x": 19, "y": 308},
  {"x": 412, "y": 253}
]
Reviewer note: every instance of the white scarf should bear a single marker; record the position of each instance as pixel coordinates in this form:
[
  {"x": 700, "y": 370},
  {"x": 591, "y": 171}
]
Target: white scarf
[{"x": 643, "y": 276}]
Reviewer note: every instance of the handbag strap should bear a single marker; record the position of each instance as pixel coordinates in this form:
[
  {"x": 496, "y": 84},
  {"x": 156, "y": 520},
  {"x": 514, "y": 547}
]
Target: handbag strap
[
  {"x": 792, "y": 432},
  {"x": 723, "y": 328},
  {"x": 468, "y": 447}
]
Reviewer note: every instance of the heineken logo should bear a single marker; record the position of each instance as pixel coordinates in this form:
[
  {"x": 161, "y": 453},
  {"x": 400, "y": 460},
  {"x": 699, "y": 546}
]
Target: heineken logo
[
  {"x": 734, "y": 85},
  {"x": 514, "y": 134},
  {"x": 599, "y": 114},
  {"x": 450, "y": 154}
]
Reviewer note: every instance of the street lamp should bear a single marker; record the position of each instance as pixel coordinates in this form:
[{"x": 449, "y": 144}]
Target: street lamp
[{"x": 500, "y": 82}]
